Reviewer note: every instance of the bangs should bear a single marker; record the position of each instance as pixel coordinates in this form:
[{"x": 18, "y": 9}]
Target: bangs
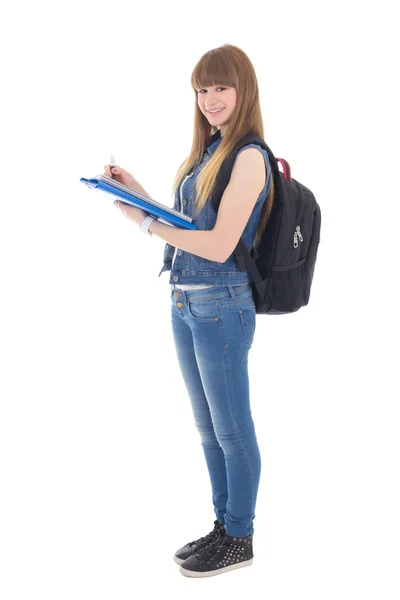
[{"x": 213, "y": 70}]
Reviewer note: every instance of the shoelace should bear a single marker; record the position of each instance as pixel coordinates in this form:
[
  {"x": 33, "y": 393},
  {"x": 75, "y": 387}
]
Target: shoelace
[
  {"x": 209, "y": 538},
  {"x": 211, "y": 549}
]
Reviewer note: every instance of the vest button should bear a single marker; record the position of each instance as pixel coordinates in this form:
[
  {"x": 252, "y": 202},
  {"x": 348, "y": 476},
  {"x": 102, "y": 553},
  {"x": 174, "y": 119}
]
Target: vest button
[
  {"x": 175, "y": 278},
  {"x": 179, "y": 304},
  {"x": 176, "y": 294},
  {"x": 179, "y": 252},
  {"x": 184, "y": 202}
]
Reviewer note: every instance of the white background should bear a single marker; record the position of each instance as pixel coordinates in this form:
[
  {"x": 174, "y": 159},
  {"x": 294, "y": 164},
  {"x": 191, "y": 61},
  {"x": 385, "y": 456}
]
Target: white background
[{"x": 102, "y": 473}]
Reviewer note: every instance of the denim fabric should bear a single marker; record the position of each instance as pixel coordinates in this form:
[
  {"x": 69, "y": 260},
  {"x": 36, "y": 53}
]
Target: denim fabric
[
  {"x": 188, "y": 268},
  {"x": 213, "y": 331}
]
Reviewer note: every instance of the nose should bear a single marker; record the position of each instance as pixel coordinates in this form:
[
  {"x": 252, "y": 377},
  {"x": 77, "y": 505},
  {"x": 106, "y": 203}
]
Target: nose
[{"x": 210, "y": 101}]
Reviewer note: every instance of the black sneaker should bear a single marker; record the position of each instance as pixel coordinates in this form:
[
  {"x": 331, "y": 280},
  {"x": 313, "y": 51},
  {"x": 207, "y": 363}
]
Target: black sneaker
[
  {"x": 224, "y": 554},
  {"x": 183, "y": 553}
]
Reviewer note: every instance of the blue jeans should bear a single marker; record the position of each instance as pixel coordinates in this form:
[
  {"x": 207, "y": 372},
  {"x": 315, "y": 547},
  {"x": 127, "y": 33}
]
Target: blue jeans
[{"x": 213, "y": 331}]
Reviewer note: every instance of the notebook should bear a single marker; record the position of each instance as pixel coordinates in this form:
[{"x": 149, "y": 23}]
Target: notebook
[{"x": 163, "y": 213}]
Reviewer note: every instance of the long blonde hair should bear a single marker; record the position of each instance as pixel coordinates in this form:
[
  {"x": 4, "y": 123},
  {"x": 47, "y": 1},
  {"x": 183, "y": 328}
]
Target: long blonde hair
[{"x": 226, "y": 65}]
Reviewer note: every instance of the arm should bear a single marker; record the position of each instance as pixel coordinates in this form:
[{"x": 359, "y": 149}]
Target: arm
[
  {"x": 237, "y": 203},
  {"x": 238, "y": 200},
  {"x": 199, "y": 242}
]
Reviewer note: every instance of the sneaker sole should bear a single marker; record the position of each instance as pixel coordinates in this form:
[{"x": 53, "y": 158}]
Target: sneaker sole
[
  {"x": 179, "y": 560},
  {"x": 189, "y": 573}
]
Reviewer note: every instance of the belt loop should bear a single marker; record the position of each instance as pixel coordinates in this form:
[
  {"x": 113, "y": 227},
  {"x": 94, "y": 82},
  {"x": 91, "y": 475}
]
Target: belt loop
[{"x": 231, "y": 291}]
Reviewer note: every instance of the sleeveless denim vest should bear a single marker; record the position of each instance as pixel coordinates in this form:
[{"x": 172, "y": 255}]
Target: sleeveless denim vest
[{"x": 188, "y": 268}]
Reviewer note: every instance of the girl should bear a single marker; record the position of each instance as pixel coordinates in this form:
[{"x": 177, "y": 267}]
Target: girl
[{"x": 212, "y": 307}]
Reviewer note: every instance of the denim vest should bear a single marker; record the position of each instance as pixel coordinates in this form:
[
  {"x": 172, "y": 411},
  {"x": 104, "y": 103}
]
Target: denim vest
[{"x": 188, "y": 268}]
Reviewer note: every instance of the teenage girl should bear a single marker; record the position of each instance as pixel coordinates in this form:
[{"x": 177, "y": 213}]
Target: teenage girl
[{"x": 213, "y": 313}]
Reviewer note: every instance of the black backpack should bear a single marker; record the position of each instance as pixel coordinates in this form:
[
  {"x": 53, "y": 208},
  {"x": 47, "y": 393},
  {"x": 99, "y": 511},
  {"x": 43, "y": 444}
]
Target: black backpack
[{"x": 282, "y": 267}]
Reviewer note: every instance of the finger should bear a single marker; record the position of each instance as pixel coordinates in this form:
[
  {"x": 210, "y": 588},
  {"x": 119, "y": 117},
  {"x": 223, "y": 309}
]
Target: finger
[{"x": 107, "y": 170}]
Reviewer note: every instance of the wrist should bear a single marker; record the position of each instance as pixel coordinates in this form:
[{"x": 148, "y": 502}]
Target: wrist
[
  {"x": 143, "y": 220},
  {"x": 153, "y": 226},
  {"x": 144, "y": 226}
]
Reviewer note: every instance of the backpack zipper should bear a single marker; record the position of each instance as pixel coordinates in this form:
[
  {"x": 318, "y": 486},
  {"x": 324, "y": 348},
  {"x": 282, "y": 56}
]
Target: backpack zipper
[
  {"x": 297, "y": 233},
  {"x": 298, "y": 220}
]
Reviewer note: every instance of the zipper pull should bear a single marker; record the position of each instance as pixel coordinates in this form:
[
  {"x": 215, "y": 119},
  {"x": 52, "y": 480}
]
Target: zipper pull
[
  {"x": 295, "y": 242},
  {"x": 299, "y": 233}
]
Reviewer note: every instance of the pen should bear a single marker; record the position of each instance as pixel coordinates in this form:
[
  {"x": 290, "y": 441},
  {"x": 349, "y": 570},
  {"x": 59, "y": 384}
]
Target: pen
[{"x": 112, "y": 164}]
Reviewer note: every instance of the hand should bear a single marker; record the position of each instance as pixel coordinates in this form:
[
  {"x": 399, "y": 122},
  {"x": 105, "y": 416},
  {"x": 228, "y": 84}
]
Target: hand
[
  {"x": 121, "y": 175},
  {"x": 124, "y": 177},
  {"x": 135, "y": 214}
]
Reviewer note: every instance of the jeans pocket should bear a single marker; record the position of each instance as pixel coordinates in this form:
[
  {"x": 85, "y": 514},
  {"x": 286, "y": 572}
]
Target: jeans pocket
[
  {"x": 203, "y": 310},
  {"x": 248, "y": 321}
]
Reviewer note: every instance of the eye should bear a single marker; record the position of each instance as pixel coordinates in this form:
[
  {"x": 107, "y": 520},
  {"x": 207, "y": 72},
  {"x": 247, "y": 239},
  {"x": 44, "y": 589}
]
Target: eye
[{"x": 220, "y": 88}]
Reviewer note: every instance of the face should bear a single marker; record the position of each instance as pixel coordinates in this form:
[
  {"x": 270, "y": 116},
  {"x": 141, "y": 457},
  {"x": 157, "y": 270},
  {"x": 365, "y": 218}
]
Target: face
[{"x": 215, "y": 97}]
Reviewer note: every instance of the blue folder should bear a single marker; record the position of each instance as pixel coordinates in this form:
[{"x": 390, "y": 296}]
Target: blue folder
[{"x": 169, "y": 216}]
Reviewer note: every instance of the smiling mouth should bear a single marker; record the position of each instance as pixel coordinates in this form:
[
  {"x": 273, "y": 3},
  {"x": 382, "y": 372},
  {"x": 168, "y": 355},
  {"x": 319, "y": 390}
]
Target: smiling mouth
[{"x": 215, "y": 113}]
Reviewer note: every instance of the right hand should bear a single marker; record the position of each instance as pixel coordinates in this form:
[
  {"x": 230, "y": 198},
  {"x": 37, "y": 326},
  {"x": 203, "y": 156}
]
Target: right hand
[{"x": 121, "y": 175}]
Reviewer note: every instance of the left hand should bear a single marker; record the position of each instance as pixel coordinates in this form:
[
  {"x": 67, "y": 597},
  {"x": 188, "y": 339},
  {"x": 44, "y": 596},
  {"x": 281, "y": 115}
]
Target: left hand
[{"x": 135, "y": 214}]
